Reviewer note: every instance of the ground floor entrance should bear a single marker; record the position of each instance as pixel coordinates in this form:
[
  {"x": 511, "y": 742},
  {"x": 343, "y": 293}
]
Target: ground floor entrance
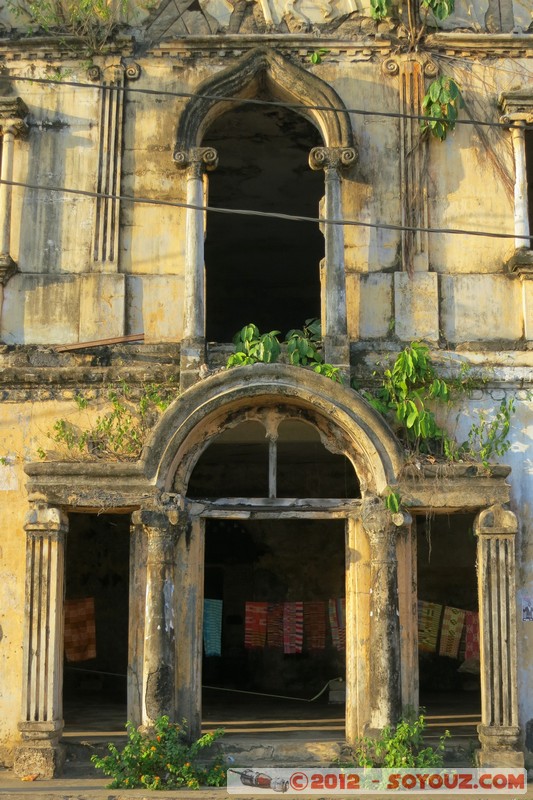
[{"x": 251, "y": 550}]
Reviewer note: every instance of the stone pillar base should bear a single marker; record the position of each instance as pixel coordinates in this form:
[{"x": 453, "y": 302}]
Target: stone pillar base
[
  {"x": 192, "y": 359},
  {"x": 499, "y": 747},
  {"x": 337, "y": 352},
  {"x": 47, "y": 760}
]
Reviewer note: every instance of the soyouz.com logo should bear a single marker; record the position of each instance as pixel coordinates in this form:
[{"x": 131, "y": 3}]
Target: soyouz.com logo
[{"x": 376, "y": 781}]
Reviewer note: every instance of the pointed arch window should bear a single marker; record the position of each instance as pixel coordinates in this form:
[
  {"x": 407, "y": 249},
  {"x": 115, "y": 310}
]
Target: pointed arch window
[{"x": 265, "y": 71}]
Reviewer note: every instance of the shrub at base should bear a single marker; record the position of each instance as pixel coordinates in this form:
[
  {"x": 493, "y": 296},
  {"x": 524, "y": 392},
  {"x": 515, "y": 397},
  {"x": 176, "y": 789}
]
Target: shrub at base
[{"x": 162, "y": 759}]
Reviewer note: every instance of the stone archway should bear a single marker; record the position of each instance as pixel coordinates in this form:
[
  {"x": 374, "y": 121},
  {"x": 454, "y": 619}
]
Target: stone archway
[
  {"x": 348, "y": 425},
  {"x": 167, "y": 542}
]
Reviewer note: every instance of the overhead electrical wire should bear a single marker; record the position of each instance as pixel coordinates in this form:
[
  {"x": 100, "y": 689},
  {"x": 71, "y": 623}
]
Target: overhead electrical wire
[
  {"x": 267, "y": 214},
  {"x": 254, "y": 101}
]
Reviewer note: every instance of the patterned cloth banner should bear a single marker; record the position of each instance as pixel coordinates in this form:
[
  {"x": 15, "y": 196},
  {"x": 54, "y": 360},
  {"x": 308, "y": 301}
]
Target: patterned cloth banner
[
  {"x": 293, "y": 627},
  {"x": 80, "y": 630},
  {"x": 471, "y": 634},
  {"x": 275, "y": 625},
  {"x": 212, "y": 627},
  {"x": 255, "y": 624},
  {"x": 451, "y": 631},
  {"x": 429, "y": 615},
  {"x": 337, "y": 622},
  {"x": 315, "y": 625}
]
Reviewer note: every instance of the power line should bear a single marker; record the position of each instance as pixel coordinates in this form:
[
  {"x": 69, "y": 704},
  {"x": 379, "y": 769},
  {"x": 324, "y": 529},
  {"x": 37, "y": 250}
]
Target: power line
[
  {"x": 256, "y": 101},
  {"x": 266, "y": 214}
]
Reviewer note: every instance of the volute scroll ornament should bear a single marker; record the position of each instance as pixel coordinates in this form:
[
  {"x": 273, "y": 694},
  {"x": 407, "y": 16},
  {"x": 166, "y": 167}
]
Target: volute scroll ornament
[
  {"x": 332, "y": 157},
  {"x": 199, "y": 157}
]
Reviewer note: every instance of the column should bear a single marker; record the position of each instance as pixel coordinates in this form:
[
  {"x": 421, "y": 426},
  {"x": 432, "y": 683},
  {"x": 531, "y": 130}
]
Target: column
[
  {"x": 358, "y": 657},
  {"x": 189, "y": 628},
  {"x": 499, "y": 732},
  {"x": 159, "y": 530},
  {"x": 408, "y": 608},
  {"x": 12, "y": 113},
  {"x": 384, "y": 645},
  {"x": 41, "y": 725},
  {"x": 196, "y": 161},
  {"x": 521, "y": 214},
  {"x": 335, "y": 330}
]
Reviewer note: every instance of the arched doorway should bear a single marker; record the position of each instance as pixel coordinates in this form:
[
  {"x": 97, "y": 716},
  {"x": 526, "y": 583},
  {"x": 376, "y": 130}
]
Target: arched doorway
[
  {"x": 355, "y": 450},
  {"x": 274, "y": 584}
]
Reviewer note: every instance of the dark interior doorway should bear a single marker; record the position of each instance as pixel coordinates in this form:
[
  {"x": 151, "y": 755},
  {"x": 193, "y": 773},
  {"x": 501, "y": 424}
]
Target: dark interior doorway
[
  {"x": 96, "y": 618},
  {"x": 450, "y": 687},
  {"x": 262, "y": 270},
  {"x": 280, "y": 567}
]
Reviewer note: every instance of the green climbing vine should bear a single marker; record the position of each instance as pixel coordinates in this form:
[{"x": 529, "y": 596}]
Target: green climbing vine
[
  {"x": 441, "y": 104},
  {"x": 443, "y": 100},
  {"x": 117, "y": 434},
  {"x": 407, "y": 395}
]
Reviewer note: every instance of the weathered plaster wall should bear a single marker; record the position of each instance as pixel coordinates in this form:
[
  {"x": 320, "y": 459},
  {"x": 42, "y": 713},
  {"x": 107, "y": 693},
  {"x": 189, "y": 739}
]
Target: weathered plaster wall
[{"x": 470, "y": 179}]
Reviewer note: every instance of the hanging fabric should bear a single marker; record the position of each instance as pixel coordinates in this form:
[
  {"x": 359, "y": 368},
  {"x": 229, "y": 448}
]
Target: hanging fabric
[
  {"x": 275, "y": 625},
  {"x": 315, "y": 625},
  {"x": 451, "y": 632},
  {"x": 429, "y": 615},
  {"x": 212, "y": 627},
  {"x": 293, "y": 627},
  {"x": 255, "y": 624},
  {"x": 471, "y": 634},
  {"x": 80, "y": 629},
  {"x": 337, "y": 622}
]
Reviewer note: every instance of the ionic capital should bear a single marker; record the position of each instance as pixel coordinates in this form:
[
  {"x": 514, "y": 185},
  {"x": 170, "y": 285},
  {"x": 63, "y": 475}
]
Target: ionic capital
[
  {"x": 336, "y": 158},
  {"x": 197, "y": 160}
]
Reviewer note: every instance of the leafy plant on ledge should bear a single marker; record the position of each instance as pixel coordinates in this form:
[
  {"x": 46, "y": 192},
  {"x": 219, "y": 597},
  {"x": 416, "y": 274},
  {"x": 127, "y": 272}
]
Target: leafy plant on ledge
[
  {"x": 410, "y": 390},
  {"x": 303, "y": 347},
  {"x": 91, "y": 21}
]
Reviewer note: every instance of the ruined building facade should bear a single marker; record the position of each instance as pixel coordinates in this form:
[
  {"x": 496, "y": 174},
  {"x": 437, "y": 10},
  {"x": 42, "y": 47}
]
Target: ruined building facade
[{"x": 107, "y": 167}]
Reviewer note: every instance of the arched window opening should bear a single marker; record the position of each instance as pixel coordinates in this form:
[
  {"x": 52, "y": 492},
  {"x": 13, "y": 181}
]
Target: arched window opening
[
  {"x": 305, "y": 468},
  {"x": 234, "y": 465},
  {"x": 288, "y": 460},
  {"x": 260, "y": 269}
]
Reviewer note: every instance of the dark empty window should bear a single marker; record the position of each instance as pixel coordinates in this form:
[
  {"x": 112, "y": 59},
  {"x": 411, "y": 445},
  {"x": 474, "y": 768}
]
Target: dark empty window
[{"x": 260, "y": 269}]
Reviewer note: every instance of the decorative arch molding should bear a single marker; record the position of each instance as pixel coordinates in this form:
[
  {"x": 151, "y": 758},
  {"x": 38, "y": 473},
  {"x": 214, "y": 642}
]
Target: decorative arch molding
[
  {"x": 342, "y": 417},
  {"x": 263, "y": 68}
]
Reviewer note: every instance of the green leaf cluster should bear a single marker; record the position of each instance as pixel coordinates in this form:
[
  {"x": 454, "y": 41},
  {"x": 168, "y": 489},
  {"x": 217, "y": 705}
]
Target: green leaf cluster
[
  {"x": 380, "y": 9},
  {"x": 316, "y": 56},
  {"x": 400, "y": 746},
  {"x": 441, "y": 9},
  {"x": 92, "y": 21},
  {"x": 405, "y": 398},
  {"x": 489, "y": 437},
  {"x": 442, "y": 101},
  {"x": 162, "y": 759},
  {"x": 303, "y": 347}
]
